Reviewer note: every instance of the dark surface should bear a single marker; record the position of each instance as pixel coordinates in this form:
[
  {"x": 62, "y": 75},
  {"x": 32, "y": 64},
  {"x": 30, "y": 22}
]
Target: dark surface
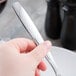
[
  {"x": 53, "y": 22},
  {"x": 2, "y": 5}
]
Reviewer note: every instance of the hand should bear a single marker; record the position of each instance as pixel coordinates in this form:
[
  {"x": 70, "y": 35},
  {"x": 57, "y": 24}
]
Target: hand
[{"x": 21, "y": 57}]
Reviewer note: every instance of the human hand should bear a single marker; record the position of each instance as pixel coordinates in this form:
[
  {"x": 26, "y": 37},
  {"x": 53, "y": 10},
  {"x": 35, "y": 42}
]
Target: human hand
[{"x": 21, "y": 57}]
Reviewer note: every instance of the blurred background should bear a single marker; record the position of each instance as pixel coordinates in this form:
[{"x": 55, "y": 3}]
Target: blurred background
[{"x": 11, "y": 27}]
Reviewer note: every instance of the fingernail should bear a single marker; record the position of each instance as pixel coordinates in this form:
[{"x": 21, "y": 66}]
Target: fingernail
[{"x": 47, "y": 44}]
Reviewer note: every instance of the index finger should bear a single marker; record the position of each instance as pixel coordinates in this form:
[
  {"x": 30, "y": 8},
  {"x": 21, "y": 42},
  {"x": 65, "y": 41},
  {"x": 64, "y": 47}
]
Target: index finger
[{"x": 22, "y": 44}]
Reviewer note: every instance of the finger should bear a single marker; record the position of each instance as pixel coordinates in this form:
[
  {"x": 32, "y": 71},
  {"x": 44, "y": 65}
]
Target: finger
[
  {"x": 42, "y": 66},
  {"x": 37, "y": 73},
  {"x": 2, "y": 1},
  {"x": 40, "y": 51},
  {"x": 22, "y": 44}
]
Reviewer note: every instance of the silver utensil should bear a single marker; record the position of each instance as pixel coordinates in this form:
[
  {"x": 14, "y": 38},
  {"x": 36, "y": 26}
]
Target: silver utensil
[{"x": 34, "y": 33}]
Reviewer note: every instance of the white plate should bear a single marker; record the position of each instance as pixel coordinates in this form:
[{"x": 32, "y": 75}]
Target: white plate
[{"x": 66, "y": 61}]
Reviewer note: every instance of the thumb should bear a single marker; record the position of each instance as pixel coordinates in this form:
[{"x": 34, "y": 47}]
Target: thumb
[{"x": 40, "y": 52}]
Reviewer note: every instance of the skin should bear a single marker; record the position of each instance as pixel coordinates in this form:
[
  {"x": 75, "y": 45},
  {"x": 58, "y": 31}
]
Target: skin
[
  {"x": 21, "y": 57},
  {"x": 1, "y": 1}
]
